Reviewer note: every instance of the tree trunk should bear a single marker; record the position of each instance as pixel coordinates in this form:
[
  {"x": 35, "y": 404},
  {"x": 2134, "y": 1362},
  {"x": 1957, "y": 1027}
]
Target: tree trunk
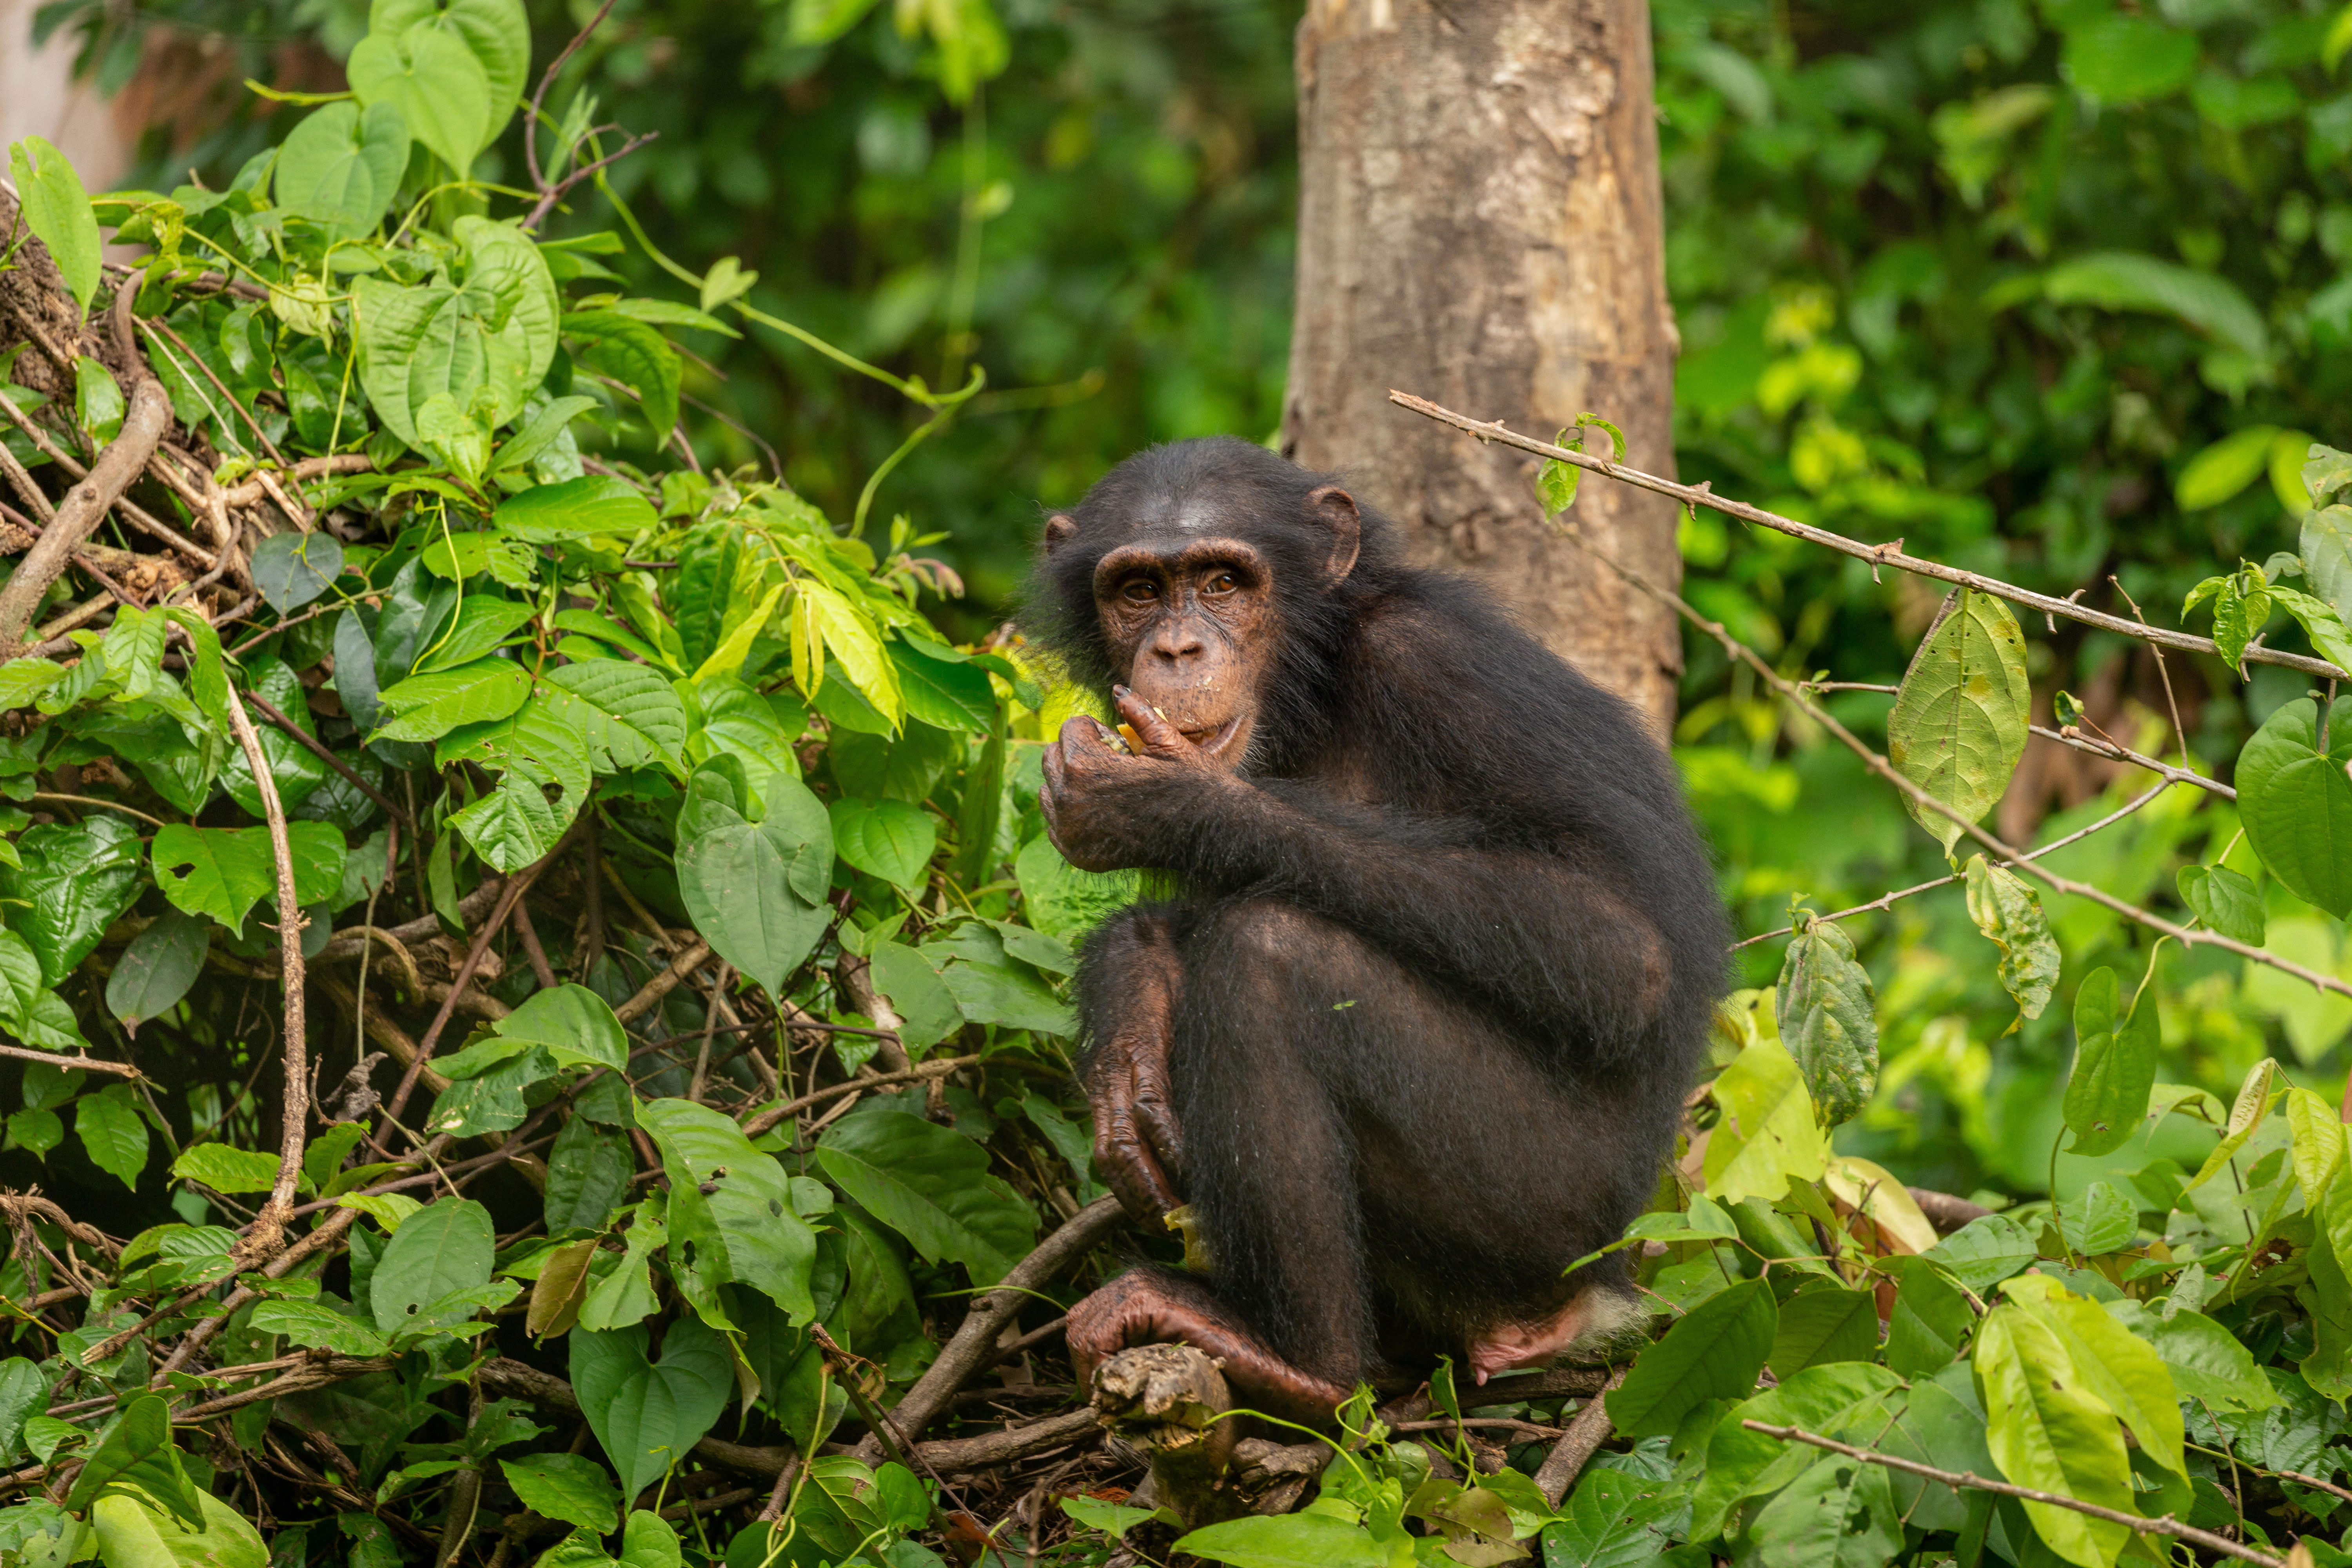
[{"x": 1479, "y": 223}]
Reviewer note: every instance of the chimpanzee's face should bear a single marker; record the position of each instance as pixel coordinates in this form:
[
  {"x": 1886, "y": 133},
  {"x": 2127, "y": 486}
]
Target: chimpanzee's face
[{"x": 1191, "y": 620}]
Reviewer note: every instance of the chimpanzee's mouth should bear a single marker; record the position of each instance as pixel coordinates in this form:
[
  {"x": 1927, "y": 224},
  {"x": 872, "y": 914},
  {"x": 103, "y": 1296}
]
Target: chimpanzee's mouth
[{"x": 1212, "y": 739}]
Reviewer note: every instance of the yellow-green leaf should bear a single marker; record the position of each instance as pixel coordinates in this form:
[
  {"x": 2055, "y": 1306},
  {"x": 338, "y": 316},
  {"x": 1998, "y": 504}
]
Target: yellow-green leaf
[
  {"x": 1768, "y": 1136},
  {"x": 1959, "y": 724}
]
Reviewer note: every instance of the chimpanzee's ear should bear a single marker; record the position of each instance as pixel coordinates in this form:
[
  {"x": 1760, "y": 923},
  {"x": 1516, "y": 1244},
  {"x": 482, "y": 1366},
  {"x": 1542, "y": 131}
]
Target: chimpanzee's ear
[
  {"x": 1333, "y": 510},
  {"x": 1058, "y": 529}
]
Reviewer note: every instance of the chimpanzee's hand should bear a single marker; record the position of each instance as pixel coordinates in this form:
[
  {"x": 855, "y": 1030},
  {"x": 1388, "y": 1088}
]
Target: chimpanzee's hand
[
  {"x": 1137, "y": 1144},
  {"x": 1089, "y": 813}
]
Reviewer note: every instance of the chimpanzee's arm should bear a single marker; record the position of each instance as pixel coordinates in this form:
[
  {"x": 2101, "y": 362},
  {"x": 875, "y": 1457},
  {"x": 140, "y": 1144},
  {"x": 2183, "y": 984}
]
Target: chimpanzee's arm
[{"x": 1555, "y": 944}]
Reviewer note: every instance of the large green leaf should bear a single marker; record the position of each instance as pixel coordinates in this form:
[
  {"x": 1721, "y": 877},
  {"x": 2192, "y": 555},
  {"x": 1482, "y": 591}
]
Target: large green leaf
[
  {"x": 550, "y": 514},
  {"x": 1612, "y": 1519},
  {"x": 886, "y": 838},
  {"x": 932, "y": 1186},
  {"x": 2296, "y": 803},
  {"x": 627, "y": 714},
  {"x": 1931, "y": 1316},
  {"x": 2224, "y": 900},
  {"x": 294, "y": 768},
  {"x": 953, "y": 696},
  {"x": 72, "y": 879},
  {"x": 648, "y": 1414},
  {"x": 1714, "y": 1353},
  {"x": 341, "y": 165},
  {"x": 2208, "y": 1363},
  {"x": 138, "y": 1452},
  {"x": 56, "y": 209},
  {"x": 927, "y": 1011},
  {"x": 573, "y": 1488},
  {"x": 733, "y": 1204},
  {"x": 2114, "y": 1065},
  {"x": 428, "y": 707},
  {"x": 2126, "y": 280},
  {"x": 1824, "y": 1324},
  {"x": 481, "y": 625},
  {"x": 112, "y": 1132},
  {"x": 1768, "y": 1136},
  {"x": 2010, "y": 914},
  {"x": 1959, "y": 721},
  {"x": 444, "y": 1246},
  {"x": 488, "y": 339},
  {"x": 2121, "y": 1371},
  {"x": 1840, "y": 1513},
  {"x": 634, "y": 354},
  {"x": 2048, "y": 1432},
  {"x": 226, "y": 1169},
  {"x": 577, "y": 1026},
  {"x": 158, "y": 967},
  {"x": 588, "y": 1174},
  {"x": 546, "y": 779},
  {"x": 318, "y": 1327},
  {"x": 1286, "y": 1541},
  {"x": 222, "y": 872},
  {"x": 2326, "y": 548},
  {"x": 756, "y": 891},
  {"x": 497, "y": 32},
  {"x": 2224, "y": 469},
  {"x": 1828, "y": 1020},
  {"x": 440, "y": 89}
]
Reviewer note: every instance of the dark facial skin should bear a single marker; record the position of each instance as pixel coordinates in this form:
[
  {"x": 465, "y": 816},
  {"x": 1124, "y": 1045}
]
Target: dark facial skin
[{"x": 1190, "y": 614}]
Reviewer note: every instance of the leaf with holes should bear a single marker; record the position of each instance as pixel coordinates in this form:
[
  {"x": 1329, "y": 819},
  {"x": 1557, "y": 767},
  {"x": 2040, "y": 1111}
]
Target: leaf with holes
[
  {"x": 2010, "y": 914},
  {"x": 222, "y": 872},
  {"x": 1959, "y": 724},
  {"x": 444, "y": 1246},
  {"x": 544, "y": 762},
  {"x": 1828, "y": 1020}
]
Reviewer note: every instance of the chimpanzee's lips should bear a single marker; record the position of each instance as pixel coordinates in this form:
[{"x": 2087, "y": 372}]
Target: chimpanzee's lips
[{"x": 1212, "y": 739}]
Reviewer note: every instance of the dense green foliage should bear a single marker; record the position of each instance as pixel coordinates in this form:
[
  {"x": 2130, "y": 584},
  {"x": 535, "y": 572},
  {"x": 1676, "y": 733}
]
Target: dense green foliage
[{"x": 2056, "y": 293}]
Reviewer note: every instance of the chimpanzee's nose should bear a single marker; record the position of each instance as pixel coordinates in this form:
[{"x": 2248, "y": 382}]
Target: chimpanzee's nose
[{"x": 1179, "y": 640}]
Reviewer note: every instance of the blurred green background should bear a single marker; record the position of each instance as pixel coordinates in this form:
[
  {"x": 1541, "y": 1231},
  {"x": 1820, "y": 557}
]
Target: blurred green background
[{"x": 2043, "y": 289}]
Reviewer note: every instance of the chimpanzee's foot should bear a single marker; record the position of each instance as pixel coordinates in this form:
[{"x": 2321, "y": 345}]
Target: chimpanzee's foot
[
  {"x": 1147, "y": 1306},
  {"x": 1523, "y": 1346}
]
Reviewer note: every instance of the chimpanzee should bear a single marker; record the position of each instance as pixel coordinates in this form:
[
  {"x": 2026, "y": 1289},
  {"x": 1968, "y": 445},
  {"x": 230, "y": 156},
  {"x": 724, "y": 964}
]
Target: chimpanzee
[{"x": 1414, "y": 1034}]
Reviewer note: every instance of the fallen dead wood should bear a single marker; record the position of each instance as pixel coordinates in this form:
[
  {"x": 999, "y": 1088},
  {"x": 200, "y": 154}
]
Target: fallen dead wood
[{"x": 964, "y": 1356}]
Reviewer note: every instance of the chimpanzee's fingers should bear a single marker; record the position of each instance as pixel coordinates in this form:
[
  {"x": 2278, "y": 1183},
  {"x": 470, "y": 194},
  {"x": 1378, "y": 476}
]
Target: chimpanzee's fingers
[
  {"x": 1155, "y": 1114},
  {"x": 1082, "y": 734},
  {"x": 1126, "y": 1164},
  {"x": 1161, "y": 739}
]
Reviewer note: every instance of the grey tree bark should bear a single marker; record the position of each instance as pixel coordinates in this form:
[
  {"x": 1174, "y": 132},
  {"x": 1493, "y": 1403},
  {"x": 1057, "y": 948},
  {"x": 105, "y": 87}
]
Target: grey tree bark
[{"x": 1480, "y": 224}]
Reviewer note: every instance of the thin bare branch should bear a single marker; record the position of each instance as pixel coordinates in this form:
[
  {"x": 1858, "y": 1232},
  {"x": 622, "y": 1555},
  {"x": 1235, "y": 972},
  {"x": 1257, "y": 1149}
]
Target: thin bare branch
[
  {"x": 1889, "y": 554},
  {"x": 2164, "y": 1524}
]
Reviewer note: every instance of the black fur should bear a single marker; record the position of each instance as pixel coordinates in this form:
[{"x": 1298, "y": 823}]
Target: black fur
[{"x": 1447, "y": 968}]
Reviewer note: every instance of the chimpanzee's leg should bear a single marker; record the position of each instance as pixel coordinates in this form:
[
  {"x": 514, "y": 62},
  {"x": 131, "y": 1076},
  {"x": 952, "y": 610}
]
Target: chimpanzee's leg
[
  {"x": 1128, "y": 985},
  {"x": 1346, "y": 1121}
]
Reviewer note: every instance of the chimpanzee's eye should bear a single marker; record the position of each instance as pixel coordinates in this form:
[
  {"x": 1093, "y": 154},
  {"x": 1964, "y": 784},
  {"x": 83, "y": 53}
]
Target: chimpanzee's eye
[
  {"x": 1141, "y": 591},
  {"x": 1222, "y": 583}
]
